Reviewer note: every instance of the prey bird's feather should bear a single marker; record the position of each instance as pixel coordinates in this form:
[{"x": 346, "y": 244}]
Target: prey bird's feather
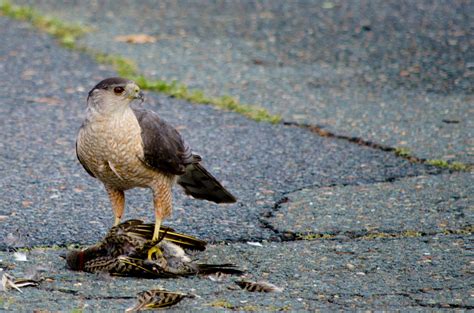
[
  {"x": 157, "y": 299},
  {"x": 259, "y": 286}
]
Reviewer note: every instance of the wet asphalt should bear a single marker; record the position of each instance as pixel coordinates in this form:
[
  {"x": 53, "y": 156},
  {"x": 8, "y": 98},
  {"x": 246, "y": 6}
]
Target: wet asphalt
[{"x": 290, "y": 183}]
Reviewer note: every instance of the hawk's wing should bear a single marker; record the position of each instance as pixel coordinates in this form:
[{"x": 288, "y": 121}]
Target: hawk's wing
[{"x": 164, "y": 149}]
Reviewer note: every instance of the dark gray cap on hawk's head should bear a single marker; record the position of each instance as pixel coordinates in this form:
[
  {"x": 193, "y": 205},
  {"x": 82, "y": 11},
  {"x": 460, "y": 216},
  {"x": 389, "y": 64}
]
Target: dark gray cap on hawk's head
[{"x": 118, "y": 86}]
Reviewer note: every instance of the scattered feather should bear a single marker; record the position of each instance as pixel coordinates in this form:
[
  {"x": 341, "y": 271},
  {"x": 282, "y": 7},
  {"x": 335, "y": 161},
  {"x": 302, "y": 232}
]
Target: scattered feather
[
  {"x": 20, "y": 256},
  {"x": 260, "y": 286},
  {"x": 157, "y": 298},
  {"x": 21, "y": 283},
  {"x": 256, "y": 244},
  {"x": 9, "y": 282}
]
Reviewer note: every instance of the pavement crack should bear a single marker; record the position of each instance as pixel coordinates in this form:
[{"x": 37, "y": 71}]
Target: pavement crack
[
  {"x": 399, "y": 152},
  {"x": 389, "y": 179},
  {"x": 440, "y": 305},
  {"x": 288, "y": 235},
  {"x": 265, "y": 224}
]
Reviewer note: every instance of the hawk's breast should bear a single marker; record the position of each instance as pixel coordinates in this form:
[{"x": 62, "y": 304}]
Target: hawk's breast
[{"x": 112, "y": 149}]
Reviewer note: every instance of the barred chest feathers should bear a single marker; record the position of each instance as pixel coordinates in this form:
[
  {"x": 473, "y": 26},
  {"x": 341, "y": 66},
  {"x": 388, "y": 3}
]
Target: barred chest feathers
[{"x": 117, "y": 150}]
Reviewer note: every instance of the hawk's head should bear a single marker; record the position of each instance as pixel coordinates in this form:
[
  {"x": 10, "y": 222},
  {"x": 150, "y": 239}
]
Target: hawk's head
[{"x": 114, "y": 93}]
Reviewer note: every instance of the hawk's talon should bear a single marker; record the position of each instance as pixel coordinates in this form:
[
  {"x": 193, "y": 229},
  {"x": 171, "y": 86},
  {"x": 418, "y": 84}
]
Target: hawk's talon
[{"x": 154, "y": 251}]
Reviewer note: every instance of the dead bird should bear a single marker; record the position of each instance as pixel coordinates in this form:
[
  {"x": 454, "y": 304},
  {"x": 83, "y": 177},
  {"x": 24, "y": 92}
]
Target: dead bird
[
  {"x": 173, "y": 262},
  {"x": 123, "y": 252},
  {"x": 130, "y": 238}
]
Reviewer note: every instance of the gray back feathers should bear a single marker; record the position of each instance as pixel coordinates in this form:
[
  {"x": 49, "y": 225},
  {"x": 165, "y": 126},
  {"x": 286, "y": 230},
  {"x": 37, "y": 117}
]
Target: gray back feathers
[{"x": 166, "y": 151}]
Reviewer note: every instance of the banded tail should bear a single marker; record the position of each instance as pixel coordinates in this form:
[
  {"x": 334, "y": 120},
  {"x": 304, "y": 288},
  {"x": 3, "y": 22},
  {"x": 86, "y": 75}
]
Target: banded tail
[{"x": 200, "y": 184}]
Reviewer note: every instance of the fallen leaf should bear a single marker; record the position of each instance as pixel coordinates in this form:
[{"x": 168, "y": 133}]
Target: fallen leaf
[
  {"x": 136, "y": 38},
  {"x": 28, "y": 74},
  {"x": 47, "y": 100},
  {"x": 404, "y": 73},
  {"x": 26, "y": 203}
]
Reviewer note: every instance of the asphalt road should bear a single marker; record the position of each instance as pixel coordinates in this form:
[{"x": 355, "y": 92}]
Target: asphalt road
[
  {"x": 395, "y": 235},
  {"x": 260, "y": 163},
  {"x": 409, "y": 274},
  {"x": 400, "y": 73}
]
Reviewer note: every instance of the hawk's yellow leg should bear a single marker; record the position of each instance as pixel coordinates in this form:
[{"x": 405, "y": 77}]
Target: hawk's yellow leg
[
  {"x": 117, "y": 199},
  {"x": 155, "y": 250},
  {"x": 162, "y": 203}
]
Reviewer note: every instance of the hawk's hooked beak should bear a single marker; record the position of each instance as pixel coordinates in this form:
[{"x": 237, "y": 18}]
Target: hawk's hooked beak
[{"x": 140, "y": 96}]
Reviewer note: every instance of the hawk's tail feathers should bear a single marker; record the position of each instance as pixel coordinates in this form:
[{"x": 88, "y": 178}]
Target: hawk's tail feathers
[{"x": 200, "y": 184}]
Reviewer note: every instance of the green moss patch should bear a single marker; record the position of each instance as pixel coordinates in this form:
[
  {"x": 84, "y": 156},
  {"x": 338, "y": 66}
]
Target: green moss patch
[
  {"x": 66, "y": 33},
  {"x": 454, "y": 166}
]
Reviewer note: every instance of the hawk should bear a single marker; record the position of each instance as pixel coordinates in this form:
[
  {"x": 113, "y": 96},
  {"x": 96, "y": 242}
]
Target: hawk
[{"x": 126, "y": 147}]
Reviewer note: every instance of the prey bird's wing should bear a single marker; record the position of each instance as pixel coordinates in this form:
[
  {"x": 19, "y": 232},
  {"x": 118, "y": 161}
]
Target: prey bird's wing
[
  {"x": 127, "y": 266},
  {"x": 136, "y": 234}
]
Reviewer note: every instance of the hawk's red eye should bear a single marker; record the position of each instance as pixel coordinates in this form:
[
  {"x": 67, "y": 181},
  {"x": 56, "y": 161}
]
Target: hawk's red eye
[{"x": 119, "y": 90}]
